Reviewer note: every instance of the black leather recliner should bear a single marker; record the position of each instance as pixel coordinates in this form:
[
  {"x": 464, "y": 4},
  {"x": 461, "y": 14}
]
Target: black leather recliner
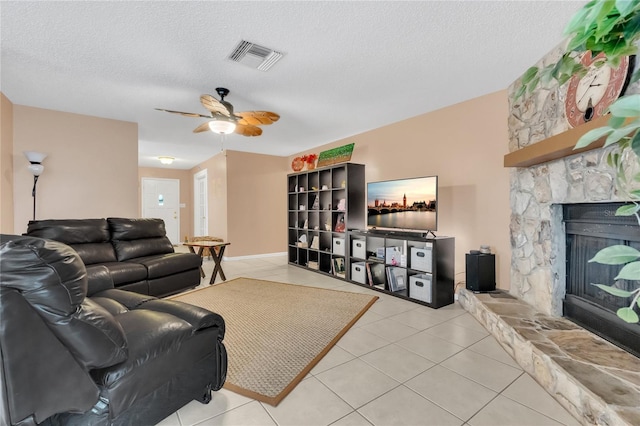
[{"x": 113, "y": 358}]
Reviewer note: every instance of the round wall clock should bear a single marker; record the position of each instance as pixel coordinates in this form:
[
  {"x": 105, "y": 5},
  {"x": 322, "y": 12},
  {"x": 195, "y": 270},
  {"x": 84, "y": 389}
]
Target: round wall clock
[{"x": 590, "y": 96}]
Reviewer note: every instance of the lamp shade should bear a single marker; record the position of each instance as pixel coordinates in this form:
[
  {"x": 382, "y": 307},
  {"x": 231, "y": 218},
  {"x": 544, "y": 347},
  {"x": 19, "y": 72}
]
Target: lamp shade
[
  {"x": 36, "y": 169},
  {"x": 222, "y": 126},
  {"x": 34, "y": 157},
  {"x": 166, "y": 160}
]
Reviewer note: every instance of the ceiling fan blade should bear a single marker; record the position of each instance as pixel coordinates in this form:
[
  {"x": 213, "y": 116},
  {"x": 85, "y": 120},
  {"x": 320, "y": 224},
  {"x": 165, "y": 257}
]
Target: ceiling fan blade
[
  {"x": 247, "y": 130},
  {"x": 187, "y": 114},
  {"x": 214, "y": 105},
  {"x": 258, "y": 118},
  {"x": 204, "y": 127}
]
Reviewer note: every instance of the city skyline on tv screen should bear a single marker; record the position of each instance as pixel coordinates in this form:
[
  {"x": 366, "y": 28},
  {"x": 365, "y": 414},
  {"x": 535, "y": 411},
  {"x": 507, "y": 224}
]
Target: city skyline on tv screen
[
  {"x": 393, "y": 191},
  {"x": 409, "y": 204}
]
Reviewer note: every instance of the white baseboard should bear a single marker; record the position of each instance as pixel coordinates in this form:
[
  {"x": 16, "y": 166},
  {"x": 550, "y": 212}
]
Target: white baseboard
[{"x": 253, "y": 256}]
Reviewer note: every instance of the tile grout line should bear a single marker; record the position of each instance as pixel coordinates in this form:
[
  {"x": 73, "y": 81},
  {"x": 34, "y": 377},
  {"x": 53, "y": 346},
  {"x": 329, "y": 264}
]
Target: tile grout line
[{"x": 387, "y": 316}]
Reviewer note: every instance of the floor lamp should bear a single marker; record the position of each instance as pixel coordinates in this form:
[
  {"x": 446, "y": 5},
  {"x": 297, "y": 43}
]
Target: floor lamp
[{"x": 36, "y": 168}]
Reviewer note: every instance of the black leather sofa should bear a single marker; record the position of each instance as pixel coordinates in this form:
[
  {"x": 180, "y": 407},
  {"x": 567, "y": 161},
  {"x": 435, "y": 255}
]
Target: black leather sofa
[
  {"x": 112, "y": 358},
  {"x": 136, "y": 252}
]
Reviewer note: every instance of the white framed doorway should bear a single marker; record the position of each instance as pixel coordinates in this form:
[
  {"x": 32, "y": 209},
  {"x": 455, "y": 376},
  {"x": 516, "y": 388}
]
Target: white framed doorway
[
  {"x": 200, "y": 204},
  {"x": 161, "y": 199}
]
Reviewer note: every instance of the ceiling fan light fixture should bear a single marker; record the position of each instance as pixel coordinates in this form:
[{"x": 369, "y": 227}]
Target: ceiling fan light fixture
[
  {"x": 222, "y": 126},
  {"x": 166, "y": 160}
]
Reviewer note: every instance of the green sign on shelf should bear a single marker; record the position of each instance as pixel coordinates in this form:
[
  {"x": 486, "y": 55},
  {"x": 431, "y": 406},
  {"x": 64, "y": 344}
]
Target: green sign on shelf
[{"x": 335, "y": 155}]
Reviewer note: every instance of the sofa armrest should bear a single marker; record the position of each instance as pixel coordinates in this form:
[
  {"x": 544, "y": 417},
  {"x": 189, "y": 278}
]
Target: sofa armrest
[
  {"x": 198, "y": 317},
  {"x": 40, "y": 377},
  {"x": 98, "y": 279}
]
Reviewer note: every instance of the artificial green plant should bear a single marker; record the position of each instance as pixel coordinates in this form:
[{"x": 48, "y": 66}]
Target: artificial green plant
[{"x": 611, "y": 27}]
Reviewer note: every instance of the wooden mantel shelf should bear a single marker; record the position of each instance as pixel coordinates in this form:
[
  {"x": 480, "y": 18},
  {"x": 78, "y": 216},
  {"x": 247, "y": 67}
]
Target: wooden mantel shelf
[{"x": 555, "y": 147}]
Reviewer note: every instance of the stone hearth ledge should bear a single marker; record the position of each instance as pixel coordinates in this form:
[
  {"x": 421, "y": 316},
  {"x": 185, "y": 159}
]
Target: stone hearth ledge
[{"x": 593, "y": 379}]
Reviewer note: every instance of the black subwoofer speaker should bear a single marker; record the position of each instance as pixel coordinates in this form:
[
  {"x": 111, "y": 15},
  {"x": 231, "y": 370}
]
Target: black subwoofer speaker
[{"x": 481, "y": 271}]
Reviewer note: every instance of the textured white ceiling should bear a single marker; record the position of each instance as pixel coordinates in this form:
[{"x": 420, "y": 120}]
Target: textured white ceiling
[{"x": 349, "y": 66}]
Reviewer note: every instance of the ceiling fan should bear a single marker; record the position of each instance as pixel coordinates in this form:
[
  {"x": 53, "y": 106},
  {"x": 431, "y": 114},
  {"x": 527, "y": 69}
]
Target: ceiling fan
[{"x": 224, "y": 121}]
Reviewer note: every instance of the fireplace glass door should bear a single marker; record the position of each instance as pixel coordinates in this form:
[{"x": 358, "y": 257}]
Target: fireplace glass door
[{"x": 590, "y": 228}]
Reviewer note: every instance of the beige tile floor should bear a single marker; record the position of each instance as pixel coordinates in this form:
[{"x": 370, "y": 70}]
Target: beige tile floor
[{"x": 401, "y": 364}]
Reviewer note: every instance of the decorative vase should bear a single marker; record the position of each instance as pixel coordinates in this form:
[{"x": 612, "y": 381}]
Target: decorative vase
[{"x": 311, "y": 165}]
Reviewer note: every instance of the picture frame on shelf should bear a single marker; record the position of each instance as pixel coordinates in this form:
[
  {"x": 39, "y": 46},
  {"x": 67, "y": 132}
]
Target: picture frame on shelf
[
  {"x": 338, "y": 267},
  {"x": 332, "y": 156},
  {"x": 340, "y": 225},
  {"x": 396, "y": 279}
]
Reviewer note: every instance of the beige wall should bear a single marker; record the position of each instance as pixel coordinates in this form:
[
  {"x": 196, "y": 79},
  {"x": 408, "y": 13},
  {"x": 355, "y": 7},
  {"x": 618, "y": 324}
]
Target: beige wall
[
  {"x": 216, "y": 168},
  {"x": 6, "y": 165},
  {"x": 186, "y": 197},
  {"x": 91, "y": 169},
  {"x": 464, "y": 145},
  {"x": 257, "y": 200},
  {"x": 247, "y": 201}
]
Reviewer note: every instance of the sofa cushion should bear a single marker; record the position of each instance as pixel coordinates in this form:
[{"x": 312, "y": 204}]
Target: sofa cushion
[
  {"x": 134, "y": 229},
  {"x": 89, "y": 237},
  {"x": 93, "y": 336},
  {"x": 168, "y": 264},
  {"x": 126, "y": 272},
  {"x": 198, "y": 317},
  {"x": 127, "y": 250},
  {"x": 70, "y": 231},
  {"x": 140, "y": 287},
  {"x": 110, "y": 305},
  {"x": 140, "y": 237},
  {"x": 172, "y": 284},
  {"x": 156, "y": 350},
  {"x": 154, "y": 334},
  {"x": 127, "y": 299},
  {"x": 92, "y": 253}
]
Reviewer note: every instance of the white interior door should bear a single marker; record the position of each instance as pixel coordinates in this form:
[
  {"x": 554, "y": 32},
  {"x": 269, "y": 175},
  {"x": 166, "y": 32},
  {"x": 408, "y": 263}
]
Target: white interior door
[
  {"x": 200, "y": 204},
  {"x": 161, "y": 199}
]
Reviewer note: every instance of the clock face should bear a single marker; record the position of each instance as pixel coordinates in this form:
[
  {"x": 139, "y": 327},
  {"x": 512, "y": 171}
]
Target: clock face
[{"x": 590, "y": 96}]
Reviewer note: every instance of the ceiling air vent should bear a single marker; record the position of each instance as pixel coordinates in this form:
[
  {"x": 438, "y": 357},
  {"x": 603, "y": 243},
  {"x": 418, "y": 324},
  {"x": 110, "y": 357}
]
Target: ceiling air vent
[{"x": 255, "y": 56}]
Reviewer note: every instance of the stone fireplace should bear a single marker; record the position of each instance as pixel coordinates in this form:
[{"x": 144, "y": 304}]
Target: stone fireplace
[
  {"x": 537, "y": 230},
  {"x": 596, "y": 381},
  {"x": 540, "y": 197},
  {"x": 539, "y": 189}
]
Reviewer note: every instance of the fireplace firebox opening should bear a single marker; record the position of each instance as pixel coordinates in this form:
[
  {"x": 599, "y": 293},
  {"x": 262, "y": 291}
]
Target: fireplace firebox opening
[{"x": 589, "y": 228}]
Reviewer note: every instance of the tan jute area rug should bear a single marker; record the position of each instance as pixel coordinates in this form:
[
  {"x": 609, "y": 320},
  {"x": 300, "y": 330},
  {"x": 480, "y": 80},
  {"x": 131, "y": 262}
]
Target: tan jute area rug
[{"x": 275, "y": 332}]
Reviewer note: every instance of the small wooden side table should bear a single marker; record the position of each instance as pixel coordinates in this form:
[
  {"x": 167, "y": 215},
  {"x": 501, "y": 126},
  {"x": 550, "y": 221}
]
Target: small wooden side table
[{"x": 215, "y": 254}]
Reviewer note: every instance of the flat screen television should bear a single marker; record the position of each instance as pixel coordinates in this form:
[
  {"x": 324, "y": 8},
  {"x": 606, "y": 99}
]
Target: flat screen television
[{"x": 403, "y": 204}]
